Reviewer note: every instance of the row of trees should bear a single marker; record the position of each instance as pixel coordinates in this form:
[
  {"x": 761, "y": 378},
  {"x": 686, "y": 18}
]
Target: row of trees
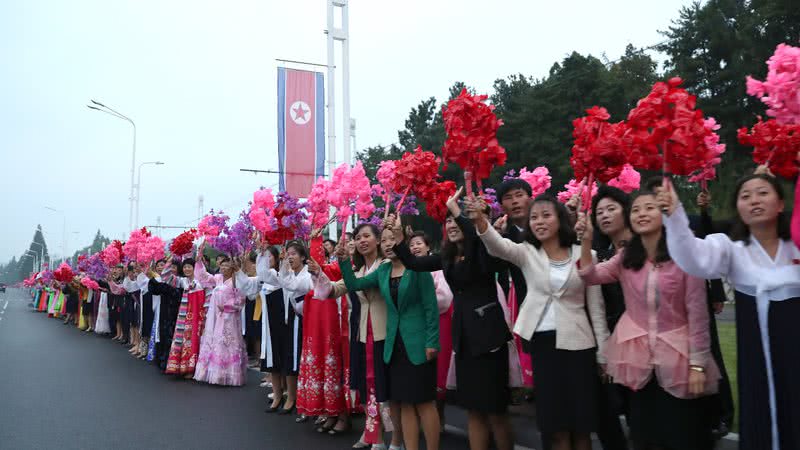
[{"x": 712, "y": 46}]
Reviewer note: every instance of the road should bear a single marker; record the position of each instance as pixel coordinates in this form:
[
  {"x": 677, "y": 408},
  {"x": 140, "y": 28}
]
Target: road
[{"x": 63, "y": 388}]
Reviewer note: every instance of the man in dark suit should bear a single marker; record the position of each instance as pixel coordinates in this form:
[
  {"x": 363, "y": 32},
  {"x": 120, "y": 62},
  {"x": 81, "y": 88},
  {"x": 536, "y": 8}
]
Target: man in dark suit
[{"x": 513, "y": 195}]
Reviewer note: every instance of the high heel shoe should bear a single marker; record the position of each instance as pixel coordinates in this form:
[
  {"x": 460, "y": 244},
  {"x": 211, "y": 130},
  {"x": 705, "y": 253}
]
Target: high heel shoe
[
  {"x": 275, "y": 408},
  {"x": 327, "y": 426},
  {"x": 287, "y": 411}
]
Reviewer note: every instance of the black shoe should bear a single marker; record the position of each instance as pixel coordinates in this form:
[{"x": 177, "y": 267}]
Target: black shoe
[
  {"x": 274, "y": 409},
  {"x": 285, "y": 412}
]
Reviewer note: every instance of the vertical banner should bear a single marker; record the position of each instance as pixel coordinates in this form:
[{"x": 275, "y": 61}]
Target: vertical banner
[{"x": 301, "y": 130}]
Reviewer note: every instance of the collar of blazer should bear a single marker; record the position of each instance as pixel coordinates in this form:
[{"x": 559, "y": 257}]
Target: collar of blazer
[{"x": 384, "y": 279}]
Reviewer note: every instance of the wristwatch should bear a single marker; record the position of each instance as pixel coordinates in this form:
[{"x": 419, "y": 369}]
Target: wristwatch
[{"x": 697, "y": 369}]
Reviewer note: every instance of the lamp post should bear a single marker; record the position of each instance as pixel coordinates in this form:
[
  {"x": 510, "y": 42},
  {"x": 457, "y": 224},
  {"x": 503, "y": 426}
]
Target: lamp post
[
  {"x": 63, "y": 231},
  {"x": 139, "y": 189},
  {"x": 32, "y": 254},
  {"x": 97, "y": 106},
  {"x": 41, "y": 254}
]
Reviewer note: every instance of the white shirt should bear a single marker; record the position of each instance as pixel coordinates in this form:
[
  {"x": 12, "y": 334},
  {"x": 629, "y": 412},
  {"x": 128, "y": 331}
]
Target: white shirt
[{"x": 559, "y": 272}]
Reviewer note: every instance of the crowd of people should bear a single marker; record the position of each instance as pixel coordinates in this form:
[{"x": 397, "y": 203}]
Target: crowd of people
[{"x": 613, "y": 303}]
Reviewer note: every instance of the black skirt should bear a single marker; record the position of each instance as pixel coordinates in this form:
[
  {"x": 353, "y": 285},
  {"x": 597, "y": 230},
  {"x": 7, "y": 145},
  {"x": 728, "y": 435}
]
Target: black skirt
[
  {"x": 88, "y": 308},
  {"x": 658, "y": 419},
  {"x": 409, "y": 383},
  {"x": 755, "y": 431},
  {"x": 72, "y": 304},
  {"x": 252, "y": 327},
  {"x": 286, "y": 342},
  {"x": 566, "y": 386},
  {"x": 147, "y": 315},
  {"x": 358, "y": 375},
  {"x": 482, "y": 381}
]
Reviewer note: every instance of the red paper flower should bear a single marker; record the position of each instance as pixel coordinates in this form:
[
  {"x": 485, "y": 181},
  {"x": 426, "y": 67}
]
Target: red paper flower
[
  {"x": 471, "y": 127},
  {"x": 183, "y": 243},
  {"x": 436, "y": 199},
  {"x": 416, "y": 172},
  {"x": 64, "y": 273},
  {"x": 775, "y": 145},
  {"x": 666, "y": 131},
  {"x": 599, "y": 148}
]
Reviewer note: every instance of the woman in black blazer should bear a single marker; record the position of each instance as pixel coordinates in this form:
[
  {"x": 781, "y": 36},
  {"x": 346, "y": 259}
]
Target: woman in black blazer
[{"x": 480, "y": 333}]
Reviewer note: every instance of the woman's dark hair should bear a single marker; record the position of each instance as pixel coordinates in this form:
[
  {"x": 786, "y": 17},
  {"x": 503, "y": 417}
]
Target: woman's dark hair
[
  {"x": 450, "y": 250},
  {"x": 328, "y": 241},
  {"x": 618, "y": 196},
  {"x": 299, "y": 248},
  {"x": 222, "y": 258},
  {"x": 276, "y": 256},
  {"x": 635, "y": 254},
  {"x": 422, "y": 235},
  {"x": 252, "y": 257},
  {"x": 566, "y": 234},
  {"x": 350, "y": 236},
  {"x": 162, "y": 260},
  {"x": 358, "y": 258},
  {"x": 739, "y": 230},
  {"x": 189, "y": 261}
]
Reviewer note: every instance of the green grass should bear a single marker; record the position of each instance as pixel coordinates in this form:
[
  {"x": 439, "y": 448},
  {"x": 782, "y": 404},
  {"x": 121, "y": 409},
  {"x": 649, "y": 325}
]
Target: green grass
[{"x": 727, "y": 341}]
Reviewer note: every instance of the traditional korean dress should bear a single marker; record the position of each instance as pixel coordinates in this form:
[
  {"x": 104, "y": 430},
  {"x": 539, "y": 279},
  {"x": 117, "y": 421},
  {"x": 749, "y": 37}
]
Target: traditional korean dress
[
  {"x": 223, "y": 354},
  {"x": 767, "y": 331},
  {"x": 320, "y": 384},
  {"x": 185, "y": 346}
]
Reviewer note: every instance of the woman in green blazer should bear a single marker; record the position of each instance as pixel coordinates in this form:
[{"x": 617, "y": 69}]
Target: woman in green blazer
[{"x": 412, "y": 340}]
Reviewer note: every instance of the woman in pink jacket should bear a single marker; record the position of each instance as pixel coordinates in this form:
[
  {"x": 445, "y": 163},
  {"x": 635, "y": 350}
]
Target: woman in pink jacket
[{"x": 660, "y": 348}]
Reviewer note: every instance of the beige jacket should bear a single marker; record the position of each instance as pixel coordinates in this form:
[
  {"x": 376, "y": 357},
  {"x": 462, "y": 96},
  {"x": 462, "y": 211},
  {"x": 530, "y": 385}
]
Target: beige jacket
[
  {"x": 372, "y": 302},
  {"x": 573, "y": 329}
]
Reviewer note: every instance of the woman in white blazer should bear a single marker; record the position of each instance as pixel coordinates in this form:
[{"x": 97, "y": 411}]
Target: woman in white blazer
[{"x": 564, "y": 342}]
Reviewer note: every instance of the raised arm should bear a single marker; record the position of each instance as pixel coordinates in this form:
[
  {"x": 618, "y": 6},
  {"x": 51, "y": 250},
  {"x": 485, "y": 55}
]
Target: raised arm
[
  {"x": 248, "y": 286},
  {"x": 601, "y": 273},
  {"x": 430, "y": 263},
  {"x": 707, "y": 258},
  {"x": 264, "y": 273},
  {"x": 357, "y": 284},
  {"x": 202, "y": 276},
  {"x": 503, "y": 248}
]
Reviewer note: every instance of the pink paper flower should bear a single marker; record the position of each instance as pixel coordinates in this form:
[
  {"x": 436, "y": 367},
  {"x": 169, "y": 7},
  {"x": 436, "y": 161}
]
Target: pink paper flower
[
  {"x": 628, "y": 180},
  {"x": 317, "y": 203},
  {"x": 781, "y": 90},
  {"x": 574, "y": 188},
  {"x": 714, "y": 151},
  {"x": 539, "y": 179},
  {"x": 350, "y": 187}
]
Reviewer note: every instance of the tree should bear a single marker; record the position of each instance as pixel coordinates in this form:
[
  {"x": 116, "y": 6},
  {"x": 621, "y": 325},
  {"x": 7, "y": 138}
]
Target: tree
[{"x": 371, "y": 157}]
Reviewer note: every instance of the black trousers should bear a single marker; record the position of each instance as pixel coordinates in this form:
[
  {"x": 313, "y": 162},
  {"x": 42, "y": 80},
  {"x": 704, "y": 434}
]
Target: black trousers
[{"x": 721, "y": 404}]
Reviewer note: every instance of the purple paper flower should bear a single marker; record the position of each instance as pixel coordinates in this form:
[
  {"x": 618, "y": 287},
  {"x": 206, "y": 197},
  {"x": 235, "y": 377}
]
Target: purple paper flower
[
  {"x": 375, "y": 219},
  {"x": 490, "y": 197},
  {"x": 409, "y": 206},
  {"x": 510, "y": 175}
]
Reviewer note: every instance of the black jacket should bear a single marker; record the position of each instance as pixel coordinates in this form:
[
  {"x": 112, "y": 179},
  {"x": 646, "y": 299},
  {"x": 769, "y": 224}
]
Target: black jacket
[
  {"x": 479, "y": 325},
  {"x": 511, "y": 273}
]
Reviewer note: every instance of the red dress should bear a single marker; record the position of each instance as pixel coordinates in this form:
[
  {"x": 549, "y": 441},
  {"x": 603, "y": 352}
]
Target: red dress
[
  {"x": 188, "y": 331},
  {"x": 320, "y": 383}
]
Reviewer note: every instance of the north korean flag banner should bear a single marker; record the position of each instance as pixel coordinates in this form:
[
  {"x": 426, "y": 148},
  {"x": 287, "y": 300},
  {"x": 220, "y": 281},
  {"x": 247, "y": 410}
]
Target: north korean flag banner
[{"x": 301, "y": 130}]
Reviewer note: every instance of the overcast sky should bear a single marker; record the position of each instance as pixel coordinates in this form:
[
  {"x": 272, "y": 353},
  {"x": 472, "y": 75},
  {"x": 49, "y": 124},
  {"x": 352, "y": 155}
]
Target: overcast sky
[{"x": 199, "y": 80}]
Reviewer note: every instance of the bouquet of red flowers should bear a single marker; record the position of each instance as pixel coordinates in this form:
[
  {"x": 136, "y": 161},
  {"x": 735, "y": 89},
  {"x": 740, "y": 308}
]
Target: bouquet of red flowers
[
  {"x": 667, "y": 132},
  {"x": 775, "y": 145},
  {"x": 64, "y": 273},
  {"x": 435, "y": 198},
  {"x": 182, "y": 245},
  {"x": 471, "y": 127},
  {"x": 416, "y": 172}
]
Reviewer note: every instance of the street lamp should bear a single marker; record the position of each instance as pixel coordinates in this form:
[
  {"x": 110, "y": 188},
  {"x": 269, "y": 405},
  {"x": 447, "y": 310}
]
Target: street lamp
[
  {"x": 110, "y": 111},
  {"x": 41, "y": 254},
  {"x": 139, "y": 189},
  {"x": 34, "y": 255},
  {"x": 63, "y": 230}
]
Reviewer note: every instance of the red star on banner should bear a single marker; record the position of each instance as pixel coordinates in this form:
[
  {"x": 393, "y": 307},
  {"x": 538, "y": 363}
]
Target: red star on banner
[{"x": 299, "y": 112}]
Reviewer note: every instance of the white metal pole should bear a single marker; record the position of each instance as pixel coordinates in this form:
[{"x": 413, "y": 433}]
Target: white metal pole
[
  {"x": 344, "y": 36},
  {"x": 331, "y": 153}
]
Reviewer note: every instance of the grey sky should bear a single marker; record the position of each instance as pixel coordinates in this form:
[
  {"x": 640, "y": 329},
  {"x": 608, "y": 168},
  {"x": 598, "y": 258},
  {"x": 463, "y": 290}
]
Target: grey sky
[{"x": 198, "y": 78}]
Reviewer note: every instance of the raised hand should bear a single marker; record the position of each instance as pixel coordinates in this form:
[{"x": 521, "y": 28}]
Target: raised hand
[
  {"x": 703, "y": 199},
  {"x": 667, "y": 198},
  {"x": 584, "y": 228},
  {"x": 501, "y": 224},
  {"x": 452, "y": 202}
]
